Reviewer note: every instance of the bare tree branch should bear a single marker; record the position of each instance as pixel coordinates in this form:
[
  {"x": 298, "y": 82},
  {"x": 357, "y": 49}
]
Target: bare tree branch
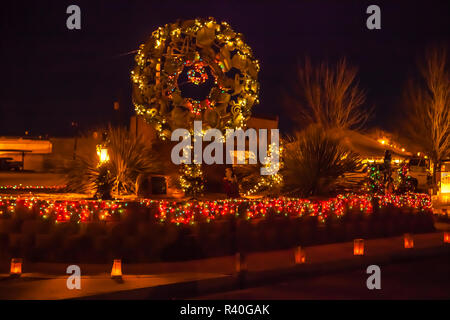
[
  {"x": 329, "y": 96},
  {"x": 428, "y": 105}
]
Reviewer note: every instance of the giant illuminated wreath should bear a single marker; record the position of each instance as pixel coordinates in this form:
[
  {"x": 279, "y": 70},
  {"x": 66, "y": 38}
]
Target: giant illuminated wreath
[{"x": 195, "y": 70}]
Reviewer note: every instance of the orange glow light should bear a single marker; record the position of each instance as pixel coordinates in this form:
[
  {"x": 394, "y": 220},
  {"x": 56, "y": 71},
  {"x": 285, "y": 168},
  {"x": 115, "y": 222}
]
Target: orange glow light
[
  {"x": 102, "y": 153},
  {"x": 116, "y": 271},
  {"x": 409, "y": 241},
  {"x": 16, "y": 267},
  {"x": 358, "y": 247},
  {"x": 446, "y": 237},
  {"x": 300, "y": 256},
  {"x": 241, "y": 263}
]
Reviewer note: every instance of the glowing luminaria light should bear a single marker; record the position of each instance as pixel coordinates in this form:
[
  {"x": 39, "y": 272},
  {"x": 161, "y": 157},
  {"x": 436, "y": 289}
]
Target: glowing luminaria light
[
  {"x": 299, "y": 255},
  {"x": 446, "y": 237},
  {"x": 241, "y": 262},
  {"x": 358, "y": 247},
  {"x": 116, "y": 272},
  {"x": 16, "y": 267},
  {"x": 408, "y": 241}
]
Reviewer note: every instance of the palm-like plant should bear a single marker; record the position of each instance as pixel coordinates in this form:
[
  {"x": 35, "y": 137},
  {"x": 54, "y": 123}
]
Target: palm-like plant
[
  {"x": 129, "y": 158},
  {"x": 313, "y": 161}
]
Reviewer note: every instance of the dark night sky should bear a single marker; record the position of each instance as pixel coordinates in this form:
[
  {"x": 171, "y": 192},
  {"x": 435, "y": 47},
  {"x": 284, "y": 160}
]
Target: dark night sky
[{"x": 52, "y": 75}]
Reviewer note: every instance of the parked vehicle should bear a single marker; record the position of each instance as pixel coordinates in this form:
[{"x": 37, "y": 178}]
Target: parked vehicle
[
  {"x": 6, "y": 164},
  {"x": 419, "y": 170}
]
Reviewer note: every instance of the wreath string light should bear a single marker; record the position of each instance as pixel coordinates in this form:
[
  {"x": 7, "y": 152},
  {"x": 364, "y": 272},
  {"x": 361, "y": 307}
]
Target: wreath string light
[{"x": 195, "y": 70}]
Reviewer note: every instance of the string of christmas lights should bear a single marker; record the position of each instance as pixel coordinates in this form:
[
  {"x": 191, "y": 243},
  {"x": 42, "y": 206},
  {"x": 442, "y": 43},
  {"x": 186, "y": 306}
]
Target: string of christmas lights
[
  {"x": 198, "y": 74},
  {"x": 191, "y": 179},
  {"x": 31, "y": 188},
  {"x": 205, "y": 51},
  {"x": 190, "y": 212},
  {"x": 274, "y": 179}
]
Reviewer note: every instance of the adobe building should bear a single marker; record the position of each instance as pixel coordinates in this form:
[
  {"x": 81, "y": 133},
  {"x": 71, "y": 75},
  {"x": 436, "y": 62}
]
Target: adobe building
[{"x": 18, "y": 154}]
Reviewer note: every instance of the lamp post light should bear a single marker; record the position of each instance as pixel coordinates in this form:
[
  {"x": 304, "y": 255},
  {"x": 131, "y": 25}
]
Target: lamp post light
[
  {"x": 104, "y": 178},
  {"x": 102, "y": 150}
]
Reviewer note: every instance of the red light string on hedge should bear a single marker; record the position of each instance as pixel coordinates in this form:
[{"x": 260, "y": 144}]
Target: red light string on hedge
[{"x": 189, "y": 212}]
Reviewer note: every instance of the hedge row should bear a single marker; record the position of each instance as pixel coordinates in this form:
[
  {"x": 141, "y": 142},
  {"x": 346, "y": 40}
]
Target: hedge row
[{"x": 139, "y": 238}]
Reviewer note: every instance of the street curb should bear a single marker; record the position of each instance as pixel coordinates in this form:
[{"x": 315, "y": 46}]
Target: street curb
[{"x": 192, "y": 289}]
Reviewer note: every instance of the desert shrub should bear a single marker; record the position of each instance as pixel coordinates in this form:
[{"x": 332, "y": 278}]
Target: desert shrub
[
  {"x": 313, "y": 161},
  {"x": 129, "y": 157}
]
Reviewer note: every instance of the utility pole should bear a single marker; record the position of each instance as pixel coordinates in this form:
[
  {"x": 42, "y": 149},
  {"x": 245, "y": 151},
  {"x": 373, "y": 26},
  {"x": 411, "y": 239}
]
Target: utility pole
[{"x": 75, "y": 127}]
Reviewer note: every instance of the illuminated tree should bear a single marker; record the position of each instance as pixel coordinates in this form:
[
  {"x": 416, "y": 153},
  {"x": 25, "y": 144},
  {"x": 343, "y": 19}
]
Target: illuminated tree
[
  {"x": 375, "y": 183},
  {"x": 191, "y": 179},
  {"x": 252, "y": 182}
]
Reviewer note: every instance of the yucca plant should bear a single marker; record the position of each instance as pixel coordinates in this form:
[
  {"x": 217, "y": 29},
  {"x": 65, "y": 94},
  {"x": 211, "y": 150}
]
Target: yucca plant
[
  {"x": 129, "y": 157},
  {"x": 313, "y": 161}
]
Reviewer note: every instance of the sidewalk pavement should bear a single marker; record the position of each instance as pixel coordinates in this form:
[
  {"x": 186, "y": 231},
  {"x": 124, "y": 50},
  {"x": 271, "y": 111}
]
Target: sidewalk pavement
[
  {"x": 190, "y": 278},
  {"x": 41, "y": 287}
]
